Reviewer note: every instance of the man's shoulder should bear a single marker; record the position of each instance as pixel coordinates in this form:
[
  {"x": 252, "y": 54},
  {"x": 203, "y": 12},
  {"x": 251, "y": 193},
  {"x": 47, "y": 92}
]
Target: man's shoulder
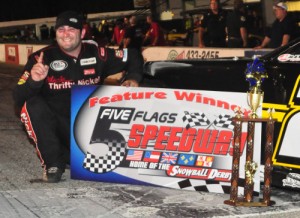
[
  {"x": 90, "y": 43},
  {"x": 91, "y": 46},
  {"x": 242, "y": 16},
  {"x": 207, "y": 14},
  {"x": 289, "y": 19},
  {"x": 231, "y": 14},
  {"x": 222, "y": 14}
]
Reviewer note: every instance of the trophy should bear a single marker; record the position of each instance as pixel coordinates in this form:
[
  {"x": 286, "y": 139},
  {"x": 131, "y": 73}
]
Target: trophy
[{"x": 255, "y": 74}]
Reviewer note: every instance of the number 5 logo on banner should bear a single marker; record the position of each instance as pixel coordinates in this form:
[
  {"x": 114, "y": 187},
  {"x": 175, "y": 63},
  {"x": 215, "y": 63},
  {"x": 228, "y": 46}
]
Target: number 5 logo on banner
[{"x": 107, "y": 147}]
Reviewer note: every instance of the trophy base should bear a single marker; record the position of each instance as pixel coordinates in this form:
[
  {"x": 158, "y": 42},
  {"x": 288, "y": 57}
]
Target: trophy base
[{"x": 242, "y": 202}]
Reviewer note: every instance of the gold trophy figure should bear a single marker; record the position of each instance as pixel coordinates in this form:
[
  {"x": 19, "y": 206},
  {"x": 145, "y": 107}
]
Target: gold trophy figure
[
  {"x": 255, "y": 95},
  {"x": 250, "y": 169}
]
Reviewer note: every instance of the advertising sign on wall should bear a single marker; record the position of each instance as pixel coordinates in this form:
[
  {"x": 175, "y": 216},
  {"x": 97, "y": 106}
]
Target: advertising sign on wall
[
  {"x": 12, "y": 54},
  {"x": 164, "y": 137},
  {"x": 29, "y": 50}
]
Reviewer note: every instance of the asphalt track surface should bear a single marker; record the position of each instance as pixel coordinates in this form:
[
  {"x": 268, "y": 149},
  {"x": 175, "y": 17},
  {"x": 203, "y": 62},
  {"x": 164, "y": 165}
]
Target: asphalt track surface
[{"x": 22, "y": 194}]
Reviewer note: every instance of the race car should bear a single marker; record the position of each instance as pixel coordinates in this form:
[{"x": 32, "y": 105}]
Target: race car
[
  {"x": 281, "y": 92},
  {"x": 228, "y": 74}
]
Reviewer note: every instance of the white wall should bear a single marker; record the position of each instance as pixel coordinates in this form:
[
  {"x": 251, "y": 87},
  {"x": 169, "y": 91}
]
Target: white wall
[{"x": 18, "y": 53}]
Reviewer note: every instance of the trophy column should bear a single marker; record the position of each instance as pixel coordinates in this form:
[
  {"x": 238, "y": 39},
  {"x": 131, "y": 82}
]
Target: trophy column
[
  {"x": 268, "y": 162},
  {"x": 235, "y": 162},
  {"x": 250, "y": 166}
]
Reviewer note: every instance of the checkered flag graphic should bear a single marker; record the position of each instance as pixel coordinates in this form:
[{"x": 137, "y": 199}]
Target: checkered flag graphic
[
  {"x": 210, "y": 186},
  {"x": 224, "y": 121},
  {"x": 108, "y": 162},
  {"x": 195, "y": 119}
]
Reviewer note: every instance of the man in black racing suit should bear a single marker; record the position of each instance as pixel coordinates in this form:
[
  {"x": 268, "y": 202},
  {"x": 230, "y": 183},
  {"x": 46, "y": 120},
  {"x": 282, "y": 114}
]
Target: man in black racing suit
[{"x": 43, "y": 91}]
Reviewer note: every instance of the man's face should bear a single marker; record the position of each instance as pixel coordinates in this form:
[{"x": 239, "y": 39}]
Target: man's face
[
  {"x": 148, "y": 19},
  {"x": 213, "y": 5},
  {"x": 69, "y": 38},
  {"x": 279, "y": 13}
]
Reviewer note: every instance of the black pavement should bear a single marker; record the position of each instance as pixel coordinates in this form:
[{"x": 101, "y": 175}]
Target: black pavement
[{"x": 22, "y": 194}]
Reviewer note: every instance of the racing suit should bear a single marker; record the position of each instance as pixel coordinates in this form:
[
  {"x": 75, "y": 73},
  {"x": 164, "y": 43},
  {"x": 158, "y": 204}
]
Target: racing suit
[{"x": 45, "y": 105}]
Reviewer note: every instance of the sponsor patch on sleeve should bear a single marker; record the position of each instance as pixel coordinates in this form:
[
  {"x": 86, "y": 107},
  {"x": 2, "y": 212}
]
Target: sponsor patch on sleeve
[
  {"x": 102, "y": 53},
  {"x": 24, "y": 78},
  {"x": 122, "y": 54},
  {"x": 119, "y": 53}
]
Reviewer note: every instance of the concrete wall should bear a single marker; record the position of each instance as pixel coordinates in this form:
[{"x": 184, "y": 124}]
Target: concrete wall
[{"x": 18, "y": 53}]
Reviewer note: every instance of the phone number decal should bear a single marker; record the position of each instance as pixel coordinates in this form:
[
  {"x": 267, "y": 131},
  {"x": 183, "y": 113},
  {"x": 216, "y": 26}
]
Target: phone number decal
[
  {"x": 195, "y": 54},
  {"x": 192, "y": 54}
]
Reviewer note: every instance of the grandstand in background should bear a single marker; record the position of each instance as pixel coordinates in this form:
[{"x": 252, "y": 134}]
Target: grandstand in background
[{"x": 9, "y": 30}]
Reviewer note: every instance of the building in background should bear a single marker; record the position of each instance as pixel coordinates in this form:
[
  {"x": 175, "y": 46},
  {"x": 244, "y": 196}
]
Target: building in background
[{"x": 178, "y": 18}]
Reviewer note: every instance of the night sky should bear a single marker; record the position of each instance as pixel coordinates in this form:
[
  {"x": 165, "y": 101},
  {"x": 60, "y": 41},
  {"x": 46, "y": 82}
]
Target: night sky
[{"x": 29, "y": 9}]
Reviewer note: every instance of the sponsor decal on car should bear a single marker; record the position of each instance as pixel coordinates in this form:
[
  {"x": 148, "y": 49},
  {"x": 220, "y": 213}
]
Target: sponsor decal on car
[
  {"x": 288, "y": 57},
  {"x": 193, "y": 54},
  {"x": 292, "y": 180}
]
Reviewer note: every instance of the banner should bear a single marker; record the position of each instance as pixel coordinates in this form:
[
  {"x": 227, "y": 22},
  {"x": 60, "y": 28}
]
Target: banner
[{"x": 164, "y": 137}]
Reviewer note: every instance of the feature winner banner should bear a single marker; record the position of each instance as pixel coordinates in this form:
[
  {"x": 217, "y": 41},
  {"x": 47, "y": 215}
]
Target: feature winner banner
[{"x": 173, "y": 138}]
